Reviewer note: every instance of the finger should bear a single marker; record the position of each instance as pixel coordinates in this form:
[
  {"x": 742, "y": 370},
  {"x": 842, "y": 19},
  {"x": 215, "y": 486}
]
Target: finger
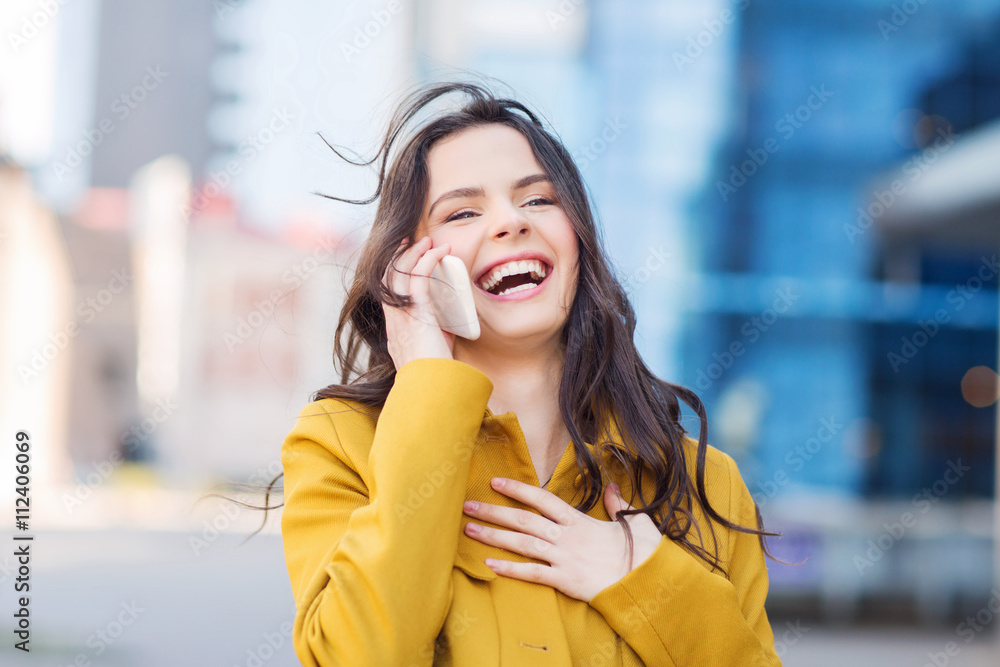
[
  {"x": 615, "y": 492},
  {"x": 519, "y": 543},
  {"x": 533, "y": 572},
  {"x": 419, "y": 288},
  {"x": 613, "y": 501},
  {"x": 400, "y": 267},
  {"x": 420, "y": 278},
  {"x": 511, "y": 517},
  {"x": 549, "y": 504}
]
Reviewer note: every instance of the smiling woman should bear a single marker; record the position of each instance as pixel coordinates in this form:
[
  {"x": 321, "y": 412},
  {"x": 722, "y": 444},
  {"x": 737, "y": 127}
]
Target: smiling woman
[{"x": 384, "y": 470}]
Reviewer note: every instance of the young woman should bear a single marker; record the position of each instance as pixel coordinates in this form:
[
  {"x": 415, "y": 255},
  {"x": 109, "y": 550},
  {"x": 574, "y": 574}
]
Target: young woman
[{"x": 526, "y": 498}]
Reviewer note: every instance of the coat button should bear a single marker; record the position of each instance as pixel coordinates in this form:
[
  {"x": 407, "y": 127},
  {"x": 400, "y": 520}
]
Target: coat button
[{"x": 578, "y": 480}]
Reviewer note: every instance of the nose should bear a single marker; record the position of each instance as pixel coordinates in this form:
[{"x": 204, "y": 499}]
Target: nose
[{"x": 510, "y": 222}]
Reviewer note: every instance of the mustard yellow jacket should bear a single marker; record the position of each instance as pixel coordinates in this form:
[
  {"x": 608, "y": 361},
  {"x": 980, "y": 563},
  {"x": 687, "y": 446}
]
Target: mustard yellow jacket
[{"x": 383, "y": 573}]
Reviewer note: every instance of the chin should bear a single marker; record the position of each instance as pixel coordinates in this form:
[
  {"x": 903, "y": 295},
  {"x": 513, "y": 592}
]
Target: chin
[{"x": 526, "y": 331}]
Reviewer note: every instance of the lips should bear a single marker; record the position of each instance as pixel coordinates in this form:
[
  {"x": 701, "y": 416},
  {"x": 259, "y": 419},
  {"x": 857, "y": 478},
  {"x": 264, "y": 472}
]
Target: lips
[
  {"x": 518, "y": 296},
  {"x": 516, "y": 257}
]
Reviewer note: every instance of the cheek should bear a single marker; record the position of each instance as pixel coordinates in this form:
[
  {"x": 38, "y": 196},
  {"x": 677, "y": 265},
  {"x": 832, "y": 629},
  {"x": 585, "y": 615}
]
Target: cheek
[
  {"x": 443, "y": 235},
  {"x": 461, "y": 245},
  {"x": 568, "y": 246},
  {"x": 566, "y": 243}
]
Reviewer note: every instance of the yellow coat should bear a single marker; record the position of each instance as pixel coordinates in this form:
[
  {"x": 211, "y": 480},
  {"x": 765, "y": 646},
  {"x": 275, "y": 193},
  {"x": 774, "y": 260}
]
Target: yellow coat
[{"x": 383, "y": 573}]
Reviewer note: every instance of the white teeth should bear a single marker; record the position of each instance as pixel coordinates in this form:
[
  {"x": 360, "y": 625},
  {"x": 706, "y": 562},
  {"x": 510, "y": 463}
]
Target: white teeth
[
  {"x": 519, "y": 288},
  {"x": 532, "y": 266}
]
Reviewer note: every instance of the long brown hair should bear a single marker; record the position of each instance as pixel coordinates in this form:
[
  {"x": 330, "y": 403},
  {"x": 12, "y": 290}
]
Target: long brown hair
[{"x": 603, "y": 379}]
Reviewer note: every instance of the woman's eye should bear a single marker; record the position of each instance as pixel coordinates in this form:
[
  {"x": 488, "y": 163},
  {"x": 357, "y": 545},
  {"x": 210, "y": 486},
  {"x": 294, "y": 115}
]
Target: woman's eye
[
  {"x": 455, "y": 216},
  {"x": 460, "y": 214}
]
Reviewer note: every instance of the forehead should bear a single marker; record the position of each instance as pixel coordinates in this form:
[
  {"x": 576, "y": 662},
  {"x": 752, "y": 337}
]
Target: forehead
[{"x": 478, "y": 155}]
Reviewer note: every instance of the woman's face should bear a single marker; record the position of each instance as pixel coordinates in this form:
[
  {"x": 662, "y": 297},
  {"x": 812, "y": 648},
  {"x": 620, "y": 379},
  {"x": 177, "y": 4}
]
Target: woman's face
[{"x": 490, "y": 200}]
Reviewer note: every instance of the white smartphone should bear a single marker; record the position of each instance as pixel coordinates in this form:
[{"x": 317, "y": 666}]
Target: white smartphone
[{"x": 451, "y": 296}]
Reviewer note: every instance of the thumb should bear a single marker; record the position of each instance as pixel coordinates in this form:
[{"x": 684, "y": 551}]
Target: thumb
[{"x": 613, "y": 499}]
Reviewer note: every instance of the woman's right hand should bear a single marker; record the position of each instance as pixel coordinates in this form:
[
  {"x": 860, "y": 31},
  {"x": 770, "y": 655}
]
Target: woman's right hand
[{"x": 414, "y": 333}]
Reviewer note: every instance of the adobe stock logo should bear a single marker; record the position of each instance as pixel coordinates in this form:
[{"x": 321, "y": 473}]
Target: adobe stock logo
[
  {"x": 752, "y": 330},
  {"x": 122, "y": 107},
  {"x": 922, "y": 501},
  {"x": 363, "y": 35},
  {"x": 881, "y": 200},
  {"x": 899, "y": 17},
  {"x": 599, "y": 144},
  {"x": 31, "y": 25},
  {"x": 796, "y": 460},
  {"x": 714, "y": 27},
  {"x": 786, "y": 126},
  {"x": 958, "y": 297}
]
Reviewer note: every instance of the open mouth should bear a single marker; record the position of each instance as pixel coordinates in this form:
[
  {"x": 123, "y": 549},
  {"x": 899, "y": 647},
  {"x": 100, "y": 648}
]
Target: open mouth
[{"x": 515, "y": 277}]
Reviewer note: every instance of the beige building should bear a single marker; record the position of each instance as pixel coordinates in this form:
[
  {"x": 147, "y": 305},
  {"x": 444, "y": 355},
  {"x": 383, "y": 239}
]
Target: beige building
[{"x": 236, "y": 328}]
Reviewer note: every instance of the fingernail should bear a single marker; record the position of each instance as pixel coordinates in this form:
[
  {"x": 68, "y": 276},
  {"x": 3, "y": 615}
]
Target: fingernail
[{"x": 614, "y": 488}]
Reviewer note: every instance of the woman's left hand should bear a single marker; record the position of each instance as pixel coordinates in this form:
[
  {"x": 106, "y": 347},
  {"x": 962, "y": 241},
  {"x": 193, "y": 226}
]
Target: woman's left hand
[{"x": 586, "y": 555}]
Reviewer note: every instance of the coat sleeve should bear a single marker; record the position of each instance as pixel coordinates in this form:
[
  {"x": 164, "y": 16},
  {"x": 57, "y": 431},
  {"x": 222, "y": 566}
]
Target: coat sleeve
[
  {"x": 371, "y": 565},
  {"x": 673, "y": 611}
]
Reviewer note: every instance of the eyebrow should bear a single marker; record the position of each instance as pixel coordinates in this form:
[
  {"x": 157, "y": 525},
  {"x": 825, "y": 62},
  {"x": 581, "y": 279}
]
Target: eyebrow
[{"x": 479, "y": 192}]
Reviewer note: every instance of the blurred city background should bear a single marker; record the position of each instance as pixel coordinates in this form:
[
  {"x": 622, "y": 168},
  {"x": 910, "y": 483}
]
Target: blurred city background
[{"x": 801, "y": 197}]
